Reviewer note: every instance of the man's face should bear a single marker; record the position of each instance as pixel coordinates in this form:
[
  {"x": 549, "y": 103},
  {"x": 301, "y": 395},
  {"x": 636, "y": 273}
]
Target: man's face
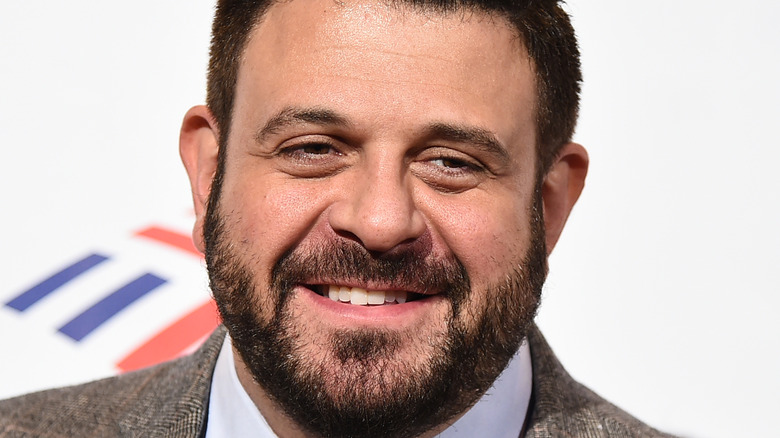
[{"x": 384, "y": 150}]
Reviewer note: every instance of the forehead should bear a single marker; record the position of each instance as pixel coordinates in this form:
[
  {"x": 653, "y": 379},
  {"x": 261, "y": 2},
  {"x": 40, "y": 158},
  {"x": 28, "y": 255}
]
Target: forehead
[{"x": 385, "y": 60}]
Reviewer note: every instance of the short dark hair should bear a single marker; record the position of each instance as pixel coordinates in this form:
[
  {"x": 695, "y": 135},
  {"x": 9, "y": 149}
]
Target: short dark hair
[{"x": 543, "y": 25}]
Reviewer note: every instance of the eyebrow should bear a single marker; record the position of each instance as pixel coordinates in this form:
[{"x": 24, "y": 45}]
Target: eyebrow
[
  {"x": 296, "y": 115},
  {"x": 472, "y": 135}
]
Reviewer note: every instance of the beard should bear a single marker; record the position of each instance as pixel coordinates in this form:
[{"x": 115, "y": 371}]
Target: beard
[{"x": 357, "y": 385}]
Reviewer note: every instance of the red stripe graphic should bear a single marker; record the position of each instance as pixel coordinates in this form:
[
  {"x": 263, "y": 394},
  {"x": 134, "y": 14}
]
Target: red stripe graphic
[
  {"x": 174, "y": 340},
  {"x": 172, "y": 238}
]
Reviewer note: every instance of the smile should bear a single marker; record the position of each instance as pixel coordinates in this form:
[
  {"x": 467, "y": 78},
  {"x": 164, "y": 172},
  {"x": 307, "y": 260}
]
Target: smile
[{"x": 363, "y": 297}]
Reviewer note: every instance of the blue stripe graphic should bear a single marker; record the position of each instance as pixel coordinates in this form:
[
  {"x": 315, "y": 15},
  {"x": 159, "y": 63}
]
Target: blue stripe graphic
[
  {"x": 49, "y": 285},
  {"x": 109, "y": 306}
]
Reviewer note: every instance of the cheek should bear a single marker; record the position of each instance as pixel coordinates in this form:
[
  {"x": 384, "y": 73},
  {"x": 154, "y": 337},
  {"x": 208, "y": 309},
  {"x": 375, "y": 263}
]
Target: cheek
[
  {"x": 489, "y": 235},
  {"x": 269, "y": 216}
]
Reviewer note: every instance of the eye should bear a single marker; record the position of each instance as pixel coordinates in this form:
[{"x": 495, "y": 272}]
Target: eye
[
  {"x": 309, "y": 150},
  {"x": 316, "y": 148},
  {"x": 449, "y": 170},
  {"x": 311, "y": 157},
  {"x": 454, "y": 163}
]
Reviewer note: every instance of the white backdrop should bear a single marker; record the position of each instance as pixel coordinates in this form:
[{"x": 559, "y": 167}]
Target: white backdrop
[{"x": 663, "y": 290}]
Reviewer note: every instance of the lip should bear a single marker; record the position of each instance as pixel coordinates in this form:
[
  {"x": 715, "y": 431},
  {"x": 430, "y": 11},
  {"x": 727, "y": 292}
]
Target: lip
[
  {"x": 409, "y": 288},
  {"x": 393, "y": 316}
]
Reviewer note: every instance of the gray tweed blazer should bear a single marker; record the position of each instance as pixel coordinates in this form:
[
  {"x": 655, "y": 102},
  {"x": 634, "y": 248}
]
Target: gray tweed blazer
[{"x": 171, "y": 400}]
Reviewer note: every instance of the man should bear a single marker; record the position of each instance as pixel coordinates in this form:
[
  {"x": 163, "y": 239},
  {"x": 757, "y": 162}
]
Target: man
[{"x": 377, "y": 186}]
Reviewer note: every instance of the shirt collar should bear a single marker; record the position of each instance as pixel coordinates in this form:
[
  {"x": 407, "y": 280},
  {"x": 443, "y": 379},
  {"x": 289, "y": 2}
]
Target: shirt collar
[
  {"x": 501, "y": 410},
  {"x": 231, "y": 411}
]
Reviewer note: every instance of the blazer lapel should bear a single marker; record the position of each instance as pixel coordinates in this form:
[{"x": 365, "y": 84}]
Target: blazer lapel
[
  {"x": 561, "y": 407},
  {"x": 173, "y": 400}
]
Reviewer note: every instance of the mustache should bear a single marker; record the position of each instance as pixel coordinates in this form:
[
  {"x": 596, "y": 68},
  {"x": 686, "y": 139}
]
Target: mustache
[{"x": 405, "y": 268}]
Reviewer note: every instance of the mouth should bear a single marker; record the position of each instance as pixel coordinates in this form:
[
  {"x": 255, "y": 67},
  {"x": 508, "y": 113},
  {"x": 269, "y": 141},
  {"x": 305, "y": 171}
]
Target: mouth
[{"x": 365, "y": 297}]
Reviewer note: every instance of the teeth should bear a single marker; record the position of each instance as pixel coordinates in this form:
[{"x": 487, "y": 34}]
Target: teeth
[
  {"x": 358, "y": 296},
  {"x": 361, "y": 297},
  {"x": 376, "y": 297},
  {"x": 344, "y": 294}
]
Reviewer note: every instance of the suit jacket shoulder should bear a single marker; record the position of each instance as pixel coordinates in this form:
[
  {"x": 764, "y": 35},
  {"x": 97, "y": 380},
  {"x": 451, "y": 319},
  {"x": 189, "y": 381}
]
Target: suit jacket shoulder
[
  {"x": 171, "y": 400},
  {"x": 561, "y": 407},
  {"x": 168, "y": 400}
]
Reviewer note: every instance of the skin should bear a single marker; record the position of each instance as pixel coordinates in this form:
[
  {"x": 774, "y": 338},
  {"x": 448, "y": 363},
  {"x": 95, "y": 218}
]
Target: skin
[{"x": 379, "y": 173}]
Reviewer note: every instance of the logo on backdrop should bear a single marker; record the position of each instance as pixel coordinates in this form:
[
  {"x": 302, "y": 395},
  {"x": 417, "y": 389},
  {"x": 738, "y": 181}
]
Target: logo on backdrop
[{"x": 170, "y": 342}]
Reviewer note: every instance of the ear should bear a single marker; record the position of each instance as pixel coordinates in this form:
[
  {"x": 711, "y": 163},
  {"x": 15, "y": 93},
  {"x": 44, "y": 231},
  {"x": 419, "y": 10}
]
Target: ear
[
  {"x": 561, "y": 189},
  {"x": 198, "y": 147}
]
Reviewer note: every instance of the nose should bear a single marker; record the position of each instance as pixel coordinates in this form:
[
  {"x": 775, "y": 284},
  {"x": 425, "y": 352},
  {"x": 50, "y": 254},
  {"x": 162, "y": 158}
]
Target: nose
[{"x": 378, "y": 210}]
